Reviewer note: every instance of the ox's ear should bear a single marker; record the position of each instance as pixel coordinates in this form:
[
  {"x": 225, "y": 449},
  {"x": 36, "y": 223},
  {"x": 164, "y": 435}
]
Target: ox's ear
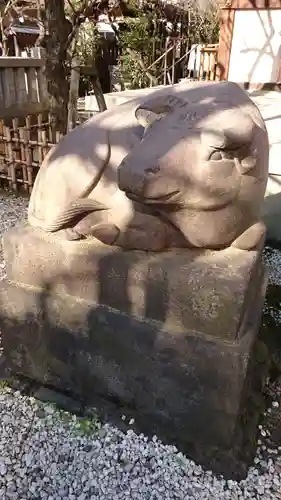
[{"x": 157, "y": 108}]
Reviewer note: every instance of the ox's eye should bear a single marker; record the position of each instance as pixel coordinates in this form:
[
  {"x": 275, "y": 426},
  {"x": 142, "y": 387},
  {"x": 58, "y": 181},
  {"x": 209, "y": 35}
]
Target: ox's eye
[
  {"x": 216, "y": 155},
  {"x": 221, "y": 155}
]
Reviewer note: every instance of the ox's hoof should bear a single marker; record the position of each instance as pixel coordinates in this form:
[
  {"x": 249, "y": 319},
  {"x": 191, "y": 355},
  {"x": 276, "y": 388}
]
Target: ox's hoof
[
  {"x": 72, "y": 235},
  {"x": 106, "y": 233},
  {"x": 252, "y": 239}
]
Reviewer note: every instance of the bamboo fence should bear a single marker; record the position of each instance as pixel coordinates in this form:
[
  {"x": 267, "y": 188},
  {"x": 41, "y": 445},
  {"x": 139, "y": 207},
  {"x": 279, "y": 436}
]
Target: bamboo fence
[
  {"x": 23, "y": 147},
  {"x": 26, "y": 132}
]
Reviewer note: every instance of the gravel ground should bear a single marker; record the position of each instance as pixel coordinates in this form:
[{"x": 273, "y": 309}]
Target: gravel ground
[{"x": 50, "y": 454}]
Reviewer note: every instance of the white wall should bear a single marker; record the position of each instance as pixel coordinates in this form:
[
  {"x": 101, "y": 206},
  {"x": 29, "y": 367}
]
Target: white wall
[{"x": 256, "y": 46}]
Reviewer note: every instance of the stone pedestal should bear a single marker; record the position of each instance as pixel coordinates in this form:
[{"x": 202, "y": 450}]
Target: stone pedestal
[{"x": 169, "y": 338}]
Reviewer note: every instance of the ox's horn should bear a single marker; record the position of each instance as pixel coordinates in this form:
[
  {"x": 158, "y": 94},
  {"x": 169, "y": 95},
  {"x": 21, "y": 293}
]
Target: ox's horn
[
  {"x": 228, "y": 129},
  {"x": 156, "y": 108}
]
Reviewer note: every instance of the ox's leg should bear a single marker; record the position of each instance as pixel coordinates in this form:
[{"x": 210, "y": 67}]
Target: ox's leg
[
  {"x": 144, "y": 232},
  {"x": 84, "y": 228},
  {"x": 69, "y": 234},
  {"x": 252, "y": 239}
]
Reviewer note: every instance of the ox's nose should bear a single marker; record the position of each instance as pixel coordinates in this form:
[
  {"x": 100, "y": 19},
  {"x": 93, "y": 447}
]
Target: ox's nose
[
  {"x": 130, "y": 181},
  {"x": 151, "y": 171}
]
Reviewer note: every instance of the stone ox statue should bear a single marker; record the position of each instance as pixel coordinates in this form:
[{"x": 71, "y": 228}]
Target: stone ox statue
[{"x": 184, "y": 166}]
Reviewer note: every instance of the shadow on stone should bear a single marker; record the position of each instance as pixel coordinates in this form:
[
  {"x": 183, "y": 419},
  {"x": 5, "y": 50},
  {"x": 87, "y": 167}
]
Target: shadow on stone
[{"x": 169, "y": 339}]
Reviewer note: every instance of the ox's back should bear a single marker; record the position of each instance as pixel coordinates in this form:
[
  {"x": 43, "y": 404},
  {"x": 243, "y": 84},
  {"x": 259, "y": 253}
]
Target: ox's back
[{"x": 91, "y": 154}]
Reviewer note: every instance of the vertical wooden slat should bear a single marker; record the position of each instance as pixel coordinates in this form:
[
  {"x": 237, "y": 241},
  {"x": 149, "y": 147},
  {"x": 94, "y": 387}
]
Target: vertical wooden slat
[
  {"x": 213, "y": 65},
  {"x": 28, "y": 153},
  {"x": 3, "y": 151},
  {"x": 39, "y": 138},
  {"x": 208, "y": 77},
  {"x": 21, "y": 86},
  {"x": 201, "y": 67},
  {"x": 11, "y": 169},
  {"x": 51, "y": 128},
  {"x": 16, "y": 151},
  {"x": 22, "y": 137},
  {"x": 31, "y": 76},
  {"x": 9, "y": 87},
  {"x": 44, "y": 139}
]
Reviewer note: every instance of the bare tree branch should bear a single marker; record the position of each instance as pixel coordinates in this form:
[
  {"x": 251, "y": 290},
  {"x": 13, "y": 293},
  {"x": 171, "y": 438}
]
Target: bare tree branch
[
  {"x": 3, "y": 14},
  {"x": 79, "y": 16},
  {"x": 70, "y": 3}
]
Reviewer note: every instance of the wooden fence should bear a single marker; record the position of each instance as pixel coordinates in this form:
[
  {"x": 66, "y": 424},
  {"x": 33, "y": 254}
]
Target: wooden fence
[
  {"x": 22, "y": 149},
  {"x": 23, "y": 86},
  {"x": 202, "y": 62},
  {"x": 208, "y": 62},
  {"x": 26, "y": 132},
  {"x": 178, "y": 61}
]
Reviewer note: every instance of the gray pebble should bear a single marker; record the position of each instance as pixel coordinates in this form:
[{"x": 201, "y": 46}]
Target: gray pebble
[{"x": 52, "y": 461}]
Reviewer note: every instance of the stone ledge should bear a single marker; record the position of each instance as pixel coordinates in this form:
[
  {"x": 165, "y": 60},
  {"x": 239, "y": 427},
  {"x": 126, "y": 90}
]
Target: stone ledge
[{"x": 201, "y": 291}]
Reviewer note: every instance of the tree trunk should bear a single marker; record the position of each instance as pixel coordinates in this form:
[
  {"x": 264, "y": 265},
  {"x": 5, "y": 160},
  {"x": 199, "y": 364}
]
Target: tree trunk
[
  {"x": 3, "y": 37},
  {"x": 41, "y": 16},
  {"x": 73, "y": 94},
  {"x": 98, "y": 93},
  {"x": 58, "y": 29}
]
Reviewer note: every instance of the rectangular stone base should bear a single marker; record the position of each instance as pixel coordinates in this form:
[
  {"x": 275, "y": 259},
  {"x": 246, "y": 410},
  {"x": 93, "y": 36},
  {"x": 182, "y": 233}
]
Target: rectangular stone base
[{"x": 169, "y": 339}]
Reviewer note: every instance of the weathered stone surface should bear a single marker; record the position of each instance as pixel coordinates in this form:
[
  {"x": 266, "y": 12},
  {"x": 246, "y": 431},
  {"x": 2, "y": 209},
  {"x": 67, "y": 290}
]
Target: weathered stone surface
[
  {"x": 167, "y": 338},
  {"x": 200, "y": 291},
  {"x": 186, "y": 166}
]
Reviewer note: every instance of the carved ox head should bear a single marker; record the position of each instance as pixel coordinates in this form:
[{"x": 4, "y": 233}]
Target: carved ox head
[{"x": 201, "y": 156}]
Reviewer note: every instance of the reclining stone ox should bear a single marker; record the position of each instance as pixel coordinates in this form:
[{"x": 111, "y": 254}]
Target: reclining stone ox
[{"x": 186, "y": 166}]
